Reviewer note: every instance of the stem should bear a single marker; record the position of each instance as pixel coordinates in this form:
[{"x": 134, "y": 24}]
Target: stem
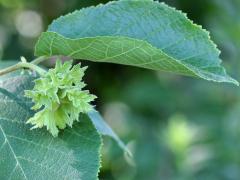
[
  {"x": 39, "y": 60},
  {"x": 21, "y": 65},
  {"x": 33, "y": 66}
]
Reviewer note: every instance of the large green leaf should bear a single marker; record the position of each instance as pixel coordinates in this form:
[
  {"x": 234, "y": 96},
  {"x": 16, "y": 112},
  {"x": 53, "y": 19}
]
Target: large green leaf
[
  {"x": 26, "y": 154},
  {"x": 145, "y": 34}
]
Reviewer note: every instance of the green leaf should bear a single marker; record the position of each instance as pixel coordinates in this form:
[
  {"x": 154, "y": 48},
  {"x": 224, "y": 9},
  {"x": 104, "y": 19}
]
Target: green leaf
[
  {"x": 104, "y": 129},
  {"x": 26, "y": 154},
  {"x": 145, "y": 34}
]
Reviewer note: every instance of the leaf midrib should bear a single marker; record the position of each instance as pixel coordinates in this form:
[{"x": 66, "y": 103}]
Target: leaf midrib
[{"x": 18, "y": 164}]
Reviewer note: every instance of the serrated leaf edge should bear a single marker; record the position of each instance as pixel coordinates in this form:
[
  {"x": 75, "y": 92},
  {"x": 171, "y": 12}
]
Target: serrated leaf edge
[{"x": 188, "y": 66}]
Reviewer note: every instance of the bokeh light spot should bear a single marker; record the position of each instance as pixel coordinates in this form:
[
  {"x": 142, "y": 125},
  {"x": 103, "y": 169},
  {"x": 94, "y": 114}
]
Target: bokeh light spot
[{"x": 29, "y": 23}]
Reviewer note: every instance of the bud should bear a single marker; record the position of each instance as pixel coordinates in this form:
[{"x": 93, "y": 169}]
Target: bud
[{"x": 59, "y": 97}]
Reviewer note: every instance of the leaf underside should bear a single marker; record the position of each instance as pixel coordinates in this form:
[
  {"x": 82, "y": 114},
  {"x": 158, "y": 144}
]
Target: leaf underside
[
  {"x": 35, "y": 154},
  {"x": 145, "y": 34}
]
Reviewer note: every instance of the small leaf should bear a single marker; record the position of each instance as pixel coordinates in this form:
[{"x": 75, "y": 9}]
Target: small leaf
[
  {"x": 104, "y": 129},
  {"x": 26, "y": 154},
  {"x": 145, "y": 34}
]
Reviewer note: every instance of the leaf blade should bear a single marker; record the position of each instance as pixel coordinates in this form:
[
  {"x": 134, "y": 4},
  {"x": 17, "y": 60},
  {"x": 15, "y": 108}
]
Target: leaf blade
[
  {"x": 164, "y": 28},
  {"x": 73, "y": 155},
  {"x": 84, "y": 47}
]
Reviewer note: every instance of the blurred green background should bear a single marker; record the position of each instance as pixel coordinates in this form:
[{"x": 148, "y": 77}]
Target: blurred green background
[{"x": 178, "y": 128}]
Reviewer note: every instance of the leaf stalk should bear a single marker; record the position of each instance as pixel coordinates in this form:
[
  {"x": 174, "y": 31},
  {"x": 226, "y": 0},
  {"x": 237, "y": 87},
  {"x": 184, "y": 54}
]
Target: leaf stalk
[{"x": 23, "y": 64}]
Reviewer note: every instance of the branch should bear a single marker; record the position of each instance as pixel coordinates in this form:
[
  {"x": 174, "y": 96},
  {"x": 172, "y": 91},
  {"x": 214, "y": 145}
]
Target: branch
[{"x": 33, "y": 66}]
